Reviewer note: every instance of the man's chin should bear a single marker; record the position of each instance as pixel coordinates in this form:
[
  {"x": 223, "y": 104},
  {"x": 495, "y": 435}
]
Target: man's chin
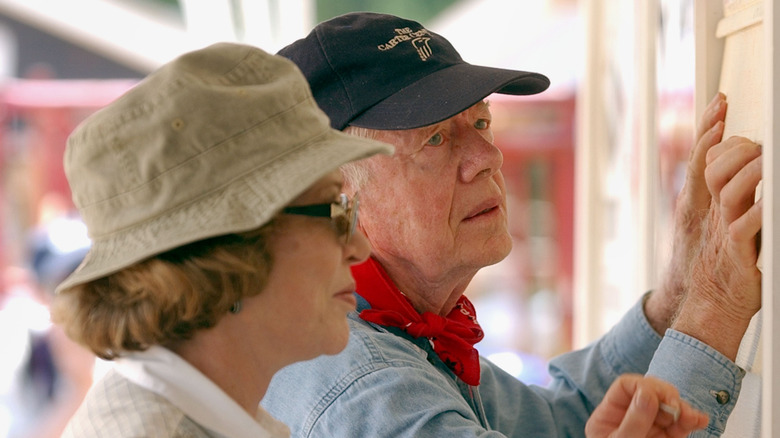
[
  {"x": 496, "y": 254},
  {"x": 495, "y": 260}
]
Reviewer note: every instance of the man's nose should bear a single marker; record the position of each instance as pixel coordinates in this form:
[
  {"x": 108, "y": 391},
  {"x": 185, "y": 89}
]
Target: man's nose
[{"x": 481, "y": 158}]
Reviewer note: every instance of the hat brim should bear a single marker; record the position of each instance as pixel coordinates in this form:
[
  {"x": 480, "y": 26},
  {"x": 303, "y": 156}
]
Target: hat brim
[
  {"x": 445, "y": 93},
  {"x": 246, "y": 203}
]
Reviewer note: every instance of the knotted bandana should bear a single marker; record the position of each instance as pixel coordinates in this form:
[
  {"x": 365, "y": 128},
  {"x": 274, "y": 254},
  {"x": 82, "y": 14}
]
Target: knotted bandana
[{"x": 452, "y": 337}]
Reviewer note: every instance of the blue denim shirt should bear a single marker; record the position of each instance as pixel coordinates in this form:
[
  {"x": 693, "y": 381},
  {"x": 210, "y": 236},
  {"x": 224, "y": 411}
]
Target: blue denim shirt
[{"x": 386, "y": 384}]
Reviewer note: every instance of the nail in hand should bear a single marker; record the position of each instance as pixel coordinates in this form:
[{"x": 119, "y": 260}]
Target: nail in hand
[{"x": 674, "y": 411}]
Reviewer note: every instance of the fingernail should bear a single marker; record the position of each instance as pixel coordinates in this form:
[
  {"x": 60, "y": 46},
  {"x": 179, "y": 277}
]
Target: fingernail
[
  {"x": 717, "y": 127},
  {"x": 715, "y": 98},
  {"x": 642, "y": 400}
]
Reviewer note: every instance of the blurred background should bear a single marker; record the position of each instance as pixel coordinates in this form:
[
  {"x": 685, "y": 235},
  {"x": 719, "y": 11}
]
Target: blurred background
[{"x": 592, "y": 165}]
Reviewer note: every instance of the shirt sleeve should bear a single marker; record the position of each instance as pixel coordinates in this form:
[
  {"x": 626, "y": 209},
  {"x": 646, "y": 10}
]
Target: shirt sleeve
[
  {"x": 705, "y": 378},
  {"x": 627, "y": 348},
  {"x": 579, "y": 381}
]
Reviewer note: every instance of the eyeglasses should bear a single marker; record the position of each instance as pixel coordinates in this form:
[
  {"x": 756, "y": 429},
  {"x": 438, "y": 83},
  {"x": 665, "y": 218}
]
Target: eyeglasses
[{"x": 343, "y": 213}]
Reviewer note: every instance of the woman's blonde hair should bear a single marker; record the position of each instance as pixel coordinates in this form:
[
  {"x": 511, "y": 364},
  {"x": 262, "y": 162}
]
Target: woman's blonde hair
[{"x": 163, "y": 300}]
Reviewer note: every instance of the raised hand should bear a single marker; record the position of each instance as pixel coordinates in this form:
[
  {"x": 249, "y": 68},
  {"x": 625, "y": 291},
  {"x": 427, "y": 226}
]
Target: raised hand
[{"x": 691, "y": 209}]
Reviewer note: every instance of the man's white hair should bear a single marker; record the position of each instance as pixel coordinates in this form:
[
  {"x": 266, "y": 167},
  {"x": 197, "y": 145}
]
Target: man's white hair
[{"x": 356, "y": 173}]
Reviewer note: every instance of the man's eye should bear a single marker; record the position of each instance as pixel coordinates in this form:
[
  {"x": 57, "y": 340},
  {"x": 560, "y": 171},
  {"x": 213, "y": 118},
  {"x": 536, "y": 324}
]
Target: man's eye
[
  {"x": 482, "y": 124},
  {"x": 436, "y": 140}
]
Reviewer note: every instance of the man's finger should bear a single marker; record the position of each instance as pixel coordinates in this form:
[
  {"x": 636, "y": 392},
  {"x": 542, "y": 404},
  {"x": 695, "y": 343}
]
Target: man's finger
[{"x": 640, "y": 415}]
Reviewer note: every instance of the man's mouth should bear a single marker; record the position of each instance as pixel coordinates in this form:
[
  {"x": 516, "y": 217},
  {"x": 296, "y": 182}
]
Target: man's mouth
[{"x": 483, "y": 210}]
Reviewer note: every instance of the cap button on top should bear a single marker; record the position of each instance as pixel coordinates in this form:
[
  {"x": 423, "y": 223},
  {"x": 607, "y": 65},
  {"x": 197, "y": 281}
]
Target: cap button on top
[{"x": 722, "y": 397}]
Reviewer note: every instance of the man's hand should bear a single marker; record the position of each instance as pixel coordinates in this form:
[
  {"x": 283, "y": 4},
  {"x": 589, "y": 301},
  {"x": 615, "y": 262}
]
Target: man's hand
[
  {"x": 637, "y": 406},
  {"x": 724, "y": 291},
  {"x": 691, "y": 209}
]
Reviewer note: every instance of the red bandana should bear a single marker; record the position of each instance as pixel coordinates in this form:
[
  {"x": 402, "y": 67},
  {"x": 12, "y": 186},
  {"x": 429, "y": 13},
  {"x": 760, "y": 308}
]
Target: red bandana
[{"x": 452, "y": 338}]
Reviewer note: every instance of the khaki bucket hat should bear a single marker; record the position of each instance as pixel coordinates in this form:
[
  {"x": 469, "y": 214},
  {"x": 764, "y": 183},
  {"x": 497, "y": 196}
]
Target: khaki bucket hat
[{"x": 216, "y": 141}]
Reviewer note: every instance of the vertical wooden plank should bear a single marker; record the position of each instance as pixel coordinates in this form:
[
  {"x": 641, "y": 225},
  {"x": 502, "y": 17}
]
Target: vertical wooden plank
[
  {"x": 734, "y": 54},
  {"x": 588, "y": 233},
  {"x": 709, "y": 52},
  {"x": 770, "y": 411},
  {"x": 649, "y": 171}
]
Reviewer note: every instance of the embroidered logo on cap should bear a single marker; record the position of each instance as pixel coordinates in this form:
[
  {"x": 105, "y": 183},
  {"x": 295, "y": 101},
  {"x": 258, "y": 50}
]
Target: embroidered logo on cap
[{"x": 419, "y": 40}]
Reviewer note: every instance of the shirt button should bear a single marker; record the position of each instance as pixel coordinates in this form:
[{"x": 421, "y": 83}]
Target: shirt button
[{"x": 721, "y": 396}]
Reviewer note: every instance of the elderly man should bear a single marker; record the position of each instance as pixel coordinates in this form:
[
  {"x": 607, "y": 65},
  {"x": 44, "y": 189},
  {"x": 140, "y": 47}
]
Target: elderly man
[{"x": 435, "y": 213}]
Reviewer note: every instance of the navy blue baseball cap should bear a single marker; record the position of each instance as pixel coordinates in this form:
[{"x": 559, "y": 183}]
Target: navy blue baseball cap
[{"x": 380, "y": 71}]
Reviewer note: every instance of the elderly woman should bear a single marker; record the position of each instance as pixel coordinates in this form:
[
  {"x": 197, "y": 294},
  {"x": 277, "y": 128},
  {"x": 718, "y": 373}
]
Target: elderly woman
[{"x": 221, "y": 245}]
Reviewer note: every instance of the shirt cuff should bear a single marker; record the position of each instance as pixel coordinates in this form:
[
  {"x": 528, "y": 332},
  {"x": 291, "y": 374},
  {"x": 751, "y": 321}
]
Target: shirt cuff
[{"x": 708, "y": 380}]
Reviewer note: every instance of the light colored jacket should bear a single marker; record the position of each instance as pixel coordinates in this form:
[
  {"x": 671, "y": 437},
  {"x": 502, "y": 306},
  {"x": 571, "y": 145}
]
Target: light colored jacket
[
  {"x": 117, "y": 407},
  {"x": 156, "y": 393}
]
